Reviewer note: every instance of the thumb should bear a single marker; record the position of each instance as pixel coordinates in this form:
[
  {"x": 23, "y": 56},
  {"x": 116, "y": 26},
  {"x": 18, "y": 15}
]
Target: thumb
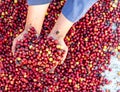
[
  {"x": 64, "y": 56},
  {"x": 13, "y": 46}
]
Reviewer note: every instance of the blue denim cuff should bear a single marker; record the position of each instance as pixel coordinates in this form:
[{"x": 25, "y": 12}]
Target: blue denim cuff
[
  {"x": 74, "y": 10},
  {"x": 38, "y": 2}
]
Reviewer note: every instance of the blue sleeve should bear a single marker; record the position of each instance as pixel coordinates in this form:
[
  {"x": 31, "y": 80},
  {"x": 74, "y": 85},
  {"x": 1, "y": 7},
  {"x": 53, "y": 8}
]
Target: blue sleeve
[
  {"x": 73, "y": 10},
  {"x": 38, "y": 2}
]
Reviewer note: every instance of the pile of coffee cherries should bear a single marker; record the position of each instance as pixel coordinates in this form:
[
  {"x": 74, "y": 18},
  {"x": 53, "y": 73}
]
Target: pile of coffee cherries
[
  {"x": 91, "y": 42},
  {"x": 41, "y": 53}
]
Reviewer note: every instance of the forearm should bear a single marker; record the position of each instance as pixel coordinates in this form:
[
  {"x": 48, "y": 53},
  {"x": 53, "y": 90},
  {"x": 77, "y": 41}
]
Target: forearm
[
  {"x": 35, "y": 16},
  {"x": 36, "y": 13},
  {"x": 71, "y": 13},
  {"x": 61, "y": 27}
]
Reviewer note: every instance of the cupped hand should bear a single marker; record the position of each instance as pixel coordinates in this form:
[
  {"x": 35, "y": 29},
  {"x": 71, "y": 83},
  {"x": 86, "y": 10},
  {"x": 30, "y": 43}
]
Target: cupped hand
[
  {"x": 18, "y": 38},
  {"x": 63, "y": 47}
]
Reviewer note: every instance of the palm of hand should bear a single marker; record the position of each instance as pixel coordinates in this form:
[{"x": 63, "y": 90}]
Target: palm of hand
[
  {"x": 20, "y": 37},
  {"x": 63, "y": 47}
]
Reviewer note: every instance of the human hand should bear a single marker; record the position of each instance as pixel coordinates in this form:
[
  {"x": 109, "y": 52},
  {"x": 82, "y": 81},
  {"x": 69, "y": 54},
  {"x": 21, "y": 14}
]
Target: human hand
[
  {"x": 20, "y": 37},
  {"x": 63, "y": 46}
]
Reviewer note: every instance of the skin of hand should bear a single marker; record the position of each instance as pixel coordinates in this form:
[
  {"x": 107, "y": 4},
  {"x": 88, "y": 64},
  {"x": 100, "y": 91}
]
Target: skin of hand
[
  {"x": 64, "y": 47},
  {"x": 20, "y": 37}
]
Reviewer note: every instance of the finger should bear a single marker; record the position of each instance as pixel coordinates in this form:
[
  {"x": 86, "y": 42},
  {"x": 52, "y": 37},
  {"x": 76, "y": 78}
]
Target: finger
[
  {"x": 53, "y": 69},
  {"x": 13, "y": 46},
  {"x": 64, "y": 57}
]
